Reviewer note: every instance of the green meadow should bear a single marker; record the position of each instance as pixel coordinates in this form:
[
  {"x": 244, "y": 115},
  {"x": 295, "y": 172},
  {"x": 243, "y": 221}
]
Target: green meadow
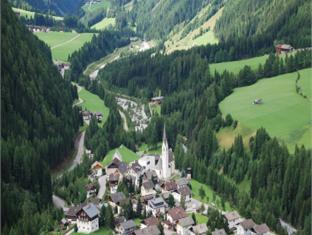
[
  {"x": 31, "y": 14},
  {"x": 101, "y": 231},
  {"x": 103, "y": 24},
  {"x": 97, "y": 6},
  {"x": 63, "y": 44},
  {"x": 93, "y": 103},
  {"x": 284, "y": 113},
  {"x": 126, "y": 154}
]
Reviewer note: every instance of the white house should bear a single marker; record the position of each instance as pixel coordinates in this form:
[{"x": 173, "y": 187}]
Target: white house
[
  {"x": 91, "y": 190},
  {"x": 156, "y": 206},
  {"x": 181, "y": 193},
  {"x": 184, "y": 225},
  {"x": 116, "y": 200},
  {"x": 135, "y": 171},
  {"x": 148, "y": 161},
  {"x": 233, "y": 219},
  {"x": 88, "y": 219}
]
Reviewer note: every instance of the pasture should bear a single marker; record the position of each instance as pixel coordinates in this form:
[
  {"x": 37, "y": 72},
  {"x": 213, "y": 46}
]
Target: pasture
[
  {"x": 93, "y": 103},
  {"x": 284, "y": 113},
  {"x": 105, "y": 23},
  {"x": 31, "y": 14},
  {"x": 126, "y": 154},
  {"x": 63, "y": 44}
]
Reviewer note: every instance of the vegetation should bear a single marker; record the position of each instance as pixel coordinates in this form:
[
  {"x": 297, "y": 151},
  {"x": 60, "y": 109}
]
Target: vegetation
[
  {"x": 105, "y": 23},
  {"x": 37, "y": 128},
  {"x": 101, "y": 231},
  {"x": 63, "y": 44},
  {"x": 281, "y": 106},
  {"x": 31, "y": 14},
  {"x": 126, "y": 154}
]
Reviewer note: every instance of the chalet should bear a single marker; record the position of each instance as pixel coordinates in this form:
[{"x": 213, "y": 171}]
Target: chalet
[
  {"x": 116, "y": 200},
  {"x": 71, "y": 213},
  {"x": 233, "y": 219},
  {"x": 184, "y": 225},
  {"x": 91, "y": 190},
  {"x": 199, "y": 229},
  {"x": 150, "y": 222},
  {"x": 88, "y": 219},
  {"x": 283, "y": 48},
  {"x": 147, "y": 189},
  {"x": 150, "y": 230},
  {"x": 157, "y": 99},
  {"x": 219, "y": 232},
  {"x": 183, "y": 193},
  {"x": 169, "y": 186},
  {"x": 126, "y": 228},
  {"x": 117, "y": 165},
  {"x": 245, "y": 227},
  {"x": 97, "y": 169},
  {"x": 156, "y": 206},
  {"x": 176, "y": 214}
]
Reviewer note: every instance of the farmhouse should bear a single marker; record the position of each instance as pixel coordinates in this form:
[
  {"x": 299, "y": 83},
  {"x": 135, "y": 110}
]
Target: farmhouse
[
  {"x": 88, "y": 219},
  {"x": 116, "y": 200},
  {"x": 91, "y": 190},
  {"x": 245, "y": 227},
  {"x": 283, "y": 48},
  {"x": 147, "y": 189}
]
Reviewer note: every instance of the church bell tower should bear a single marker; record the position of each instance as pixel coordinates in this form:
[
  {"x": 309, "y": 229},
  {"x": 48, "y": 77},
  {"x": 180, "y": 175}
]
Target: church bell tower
[{"x": 165, "y": 157}]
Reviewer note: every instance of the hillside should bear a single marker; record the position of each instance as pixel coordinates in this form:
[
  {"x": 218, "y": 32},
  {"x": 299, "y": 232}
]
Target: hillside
[{"x": 37, "y": 127}]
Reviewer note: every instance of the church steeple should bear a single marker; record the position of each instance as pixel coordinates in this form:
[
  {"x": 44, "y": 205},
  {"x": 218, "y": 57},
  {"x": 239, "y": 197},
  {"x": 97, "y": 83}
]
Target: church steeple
[
  {"x": 164, "y": 135},
  {"x": 165, "y": 156}
]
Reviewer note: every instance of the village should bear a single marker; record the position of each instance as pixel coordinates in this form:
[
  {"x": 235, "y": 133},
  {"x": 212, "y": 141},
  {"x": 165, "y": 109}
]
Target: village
[{"x": 158, "y": 195}]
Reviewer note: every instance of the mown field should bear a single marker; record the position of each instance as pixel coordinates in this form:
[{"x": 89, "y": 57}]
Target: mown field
[
  {"x": 63, "y": 44},
  {"x": 93, "y": 103},
  {"x": 126, "y": 154},
  {"x": 284, "y": 113},
  {"x": 31, "y": 14},
  {"x": 103, "y": 24}
]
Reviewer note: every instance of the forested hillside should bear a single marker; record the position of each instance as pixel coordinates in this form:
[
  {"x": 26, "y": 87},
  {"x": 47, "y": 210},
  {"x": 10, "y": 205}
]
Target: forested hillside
[
  {"x": 37, "y": 127},
  {"x": 285, "y": 20}
]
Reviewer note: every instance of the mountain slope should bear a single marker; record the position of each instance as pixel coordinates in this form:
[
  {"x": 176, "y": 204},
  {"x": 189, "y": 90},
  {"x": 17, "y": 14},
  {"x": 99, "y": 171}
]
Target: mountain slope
[{"x": 38, "y": 125}]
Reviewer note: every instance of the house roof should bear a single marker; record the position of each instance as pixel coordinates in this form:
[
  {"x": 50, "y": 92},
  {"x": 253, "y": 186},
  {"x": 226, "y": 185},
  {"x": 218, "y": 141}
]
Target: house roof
[
  {"x": 182, "y": 181},
  {"x": 136, "y": 167},
  {"x": 148, "y": 185},
  {"x": 200, "y": 229},
  {"x": 219, "y": 232},
  {"x": 151, "y": 221},
  {"x": 72, "y": 211},
  {"x": 157, "y": 202},
  {"x": 186, "y": 222},
  {"x": 122, "y": 167},
  {"x": 185, "y": 191},
  {"x": 230, "y": 216},
  {"x": 113, "y": 177},
  {"x": 150, "y": 230},
  {"x": 261, "y": 229},
  {"x": 91, "y": 210},
  {"x": 96, "y": 164},
  {"x": 118, "y": 197},
  {"x": 128, "y": 224},
  {"x": 177, "y": 213},
  {"x": 170, "y": 186},
  {"x": 248, "y": 224}
]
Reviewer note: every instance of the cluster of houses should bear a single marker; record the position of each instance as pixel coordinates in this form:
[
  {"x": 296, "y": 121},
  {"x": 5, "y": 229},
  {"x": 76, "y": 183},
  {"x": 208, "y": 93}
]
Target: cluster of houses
[
  {"x": 87, "y": 115},
  {"x": 154, "y": 180},
  {"x": 36, "y": 28}
]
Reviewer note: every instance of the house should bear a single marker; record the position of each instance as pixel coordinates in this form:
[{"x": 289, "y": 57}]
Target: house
[
  {"x": 135, "y": 172},
  {"x": 71, "y": 213},
  {"x": 150, "y": 222},
  {"x": 219, "y": 232},
  {"x": 148, "y": 161},
  {"x": 150, "y": 230},
  {"x": 117, "y": 166},
  {"x": 261, "y": 229},
  {"x": 97, "y": 169},
  {"x": 283, "y": 48},
  {"x": 176, "y": 213},
  {"x": 88, "y": 219},
  {"x": 91, "y": 190},
  {"x": 147, "y": 189},
  {"x": 245, "y": 227},
  {"x": 169, "y": 186},
  {"x": 86, "y": 115},
  {"x": 98, "y": 116},
  {"x": 182, "y": 182},
  {"x": 126, "y": 228},
  {"x": 156, "y": 206},
  {"x": 116, "y": 200},
  {"x": 184, "y": 225},
  {"x": 199, "y": 229},
  {"x": 113, "y": 180},
  {"x": 233, "y": 219},
  {"x": 157, "y": 99},
  {"x": 150, "y": 175},
  {"x": 183, "y": 193}
]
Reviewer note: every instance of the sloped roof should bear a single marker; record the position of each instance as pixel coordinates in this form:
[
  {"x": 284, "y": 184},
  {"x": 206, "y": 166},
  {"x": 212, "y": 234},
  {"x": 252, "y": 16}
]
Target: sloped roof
[
  {"x": 200, "y": 229},
  {"x": 118, "y": 197},
  {"x": 261, "y": 229},
  {"x": 151, "y": 221},
  {"x": 230, "y": 216},
  {"x": 248, "y": 224},
  {"x": 148, "y": 185},
  {"x": 182, "y": 181},
  {"x": 219, "y": 232},
  {"x": 91, "y": 210},
  {"x": 186, "y": 222},
  {"x": 128, "y": 224},
  {"x": 185, "y": 191},
  {"x": 96, "y": 164},
  {"x": 150, "y": 230},
  {"x": 170, "y": 186},
  {"x": 177, "y": 213}
]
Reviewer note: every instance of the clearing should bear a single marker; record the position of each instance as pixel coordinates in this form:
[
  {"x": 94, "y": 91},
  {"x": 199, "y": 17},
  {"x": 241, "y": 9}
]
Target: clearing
[
  {"x": 105, "y": 23},
  {"x": 63, "y": 44},
  {"x": 93, "y": 103},
  {"x": 284, "y": 113},
  {"x": 126, "y": 154},
  {"x": 31, "y": 14}
]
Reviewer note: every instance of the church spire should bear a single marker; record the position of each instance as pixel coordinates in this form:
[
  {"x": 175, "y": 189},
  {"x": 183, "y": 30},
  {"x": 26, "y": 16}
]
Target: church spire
[{"x": 164, "y": 135}]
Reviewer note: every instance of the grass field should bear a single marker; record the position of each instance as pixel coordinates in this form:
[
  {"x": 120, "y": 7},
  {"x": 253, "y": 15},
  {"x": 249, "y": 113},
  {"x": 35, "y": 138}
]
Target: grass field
[
  {"x": 126, "y": 154},
  {"x": 284, "y": 113},
  {"x": 209, "y": 198},
  {"x": 63, "y": 44},
  {"x": 101, "y": 231},
  {"x": 306, "y": 87},
  {"x": 31, "y": 14},
  {"x": 93, "y": 103},
  {"x": 200, "y": 219},
  {"x": 97, "y": 6},
  {"x": 103, "y": 24},
  {"x": 236, "y": 66},
  {"x": 155, "y": 109},
  {"x": 145, "y": 148}
]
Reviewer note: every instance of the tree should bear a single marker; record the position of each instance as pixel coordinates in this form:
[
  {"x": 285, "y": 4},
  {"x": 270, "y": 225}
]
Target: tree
[
  {"x": 102, "y": 215},
  {"x": 202, "y": 192},
  {"x": 109, "y": 217},
  {"x": 171, "y": 202},
  {"x": 194, "y": 218}
]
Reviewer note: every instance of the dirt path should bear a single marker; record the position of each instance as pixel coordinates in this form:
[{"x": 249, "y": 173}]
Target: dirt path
[{"x": 63, "y": 43}]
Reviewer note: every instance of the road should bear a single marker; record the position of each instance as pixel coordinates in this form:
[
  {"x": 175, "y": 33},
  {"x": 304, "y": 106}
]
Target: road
[
  {"x": 124, "y": 119},
  {"x": 102, "y": 182},
  {"x": 59, "y": 202},
  {"x": 79, "y": 146},
  {"x": 68, "y": 41}
]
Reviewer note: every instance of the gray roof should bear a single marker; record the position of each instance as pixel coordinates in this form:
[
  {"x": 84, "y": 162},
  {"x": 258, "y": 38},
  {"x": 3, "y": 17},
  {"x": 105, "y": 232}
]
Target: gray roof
[
  {"x": 150, "y": 230},
  {"x": 118, "y": 197},
  {"x": 219, "y": 232},
  {"x": 136, "y": 167},
  {"x": 91, "y": 210},
  {"x": 128, "y": 224},
  {"x": 230, "y": 216},
  {"x": 185, "y": 191},
  {"x": 248, "y": 224},
  {"x": 182, "y": 181},
  {"x": 200, "y": 229},
  {"x": 148, "y": 184},
  {"x": 156, "y": 202},
  {"x": 261, "y": 229},
  {"x": 185, "y": 222}
]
